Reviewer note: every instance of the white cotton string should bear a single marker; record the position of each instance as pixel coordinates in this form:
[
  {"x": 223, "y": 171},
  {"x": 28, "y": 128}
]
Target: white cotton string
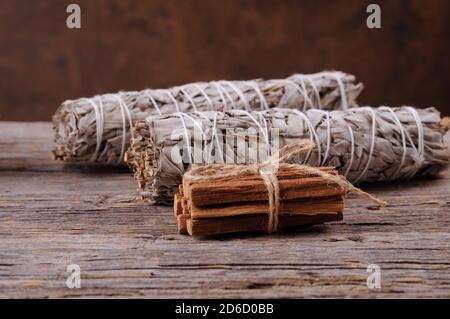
[
  {"x": 239, "y": 93},
  {"x": 197, "y": 123},
  {"x": 266, "y": 130},
  {"x": 402, "y": 132},
  {"x": 213, "y": 137},
  {"x": 414, "y": 148},
  {"x": 219, "y": 90},
  {"x": 125, "y": 113},
  {"x": 189, "y": 98},
  {"x": 155, "y": 105},
  {"x": 420, "y": 155},
  {"x": 205, "y": 95},
  {"x": 218, "y": 145},
  {"x": 220, "y": 87},
  {"x": 262, "y": 99},
  {"x": 257, "y": 124},
  {"x": 325, "y": 155},
  {"x": 186, "y": 135},
  {"x": 411, "y": 143},
  {"x": 406, "y": 137},
  {"x": 182, "y": 115},
  {"x": 302, "y": 83},
  {"x": 305, "y": 97},
  {"x": 344, "y": 102},
  {"x": 372, "y": 143},
  {"x": 99, "y": 123},
  {"x": 316, "y": 91},
  {"x": 102, "y": 118},
  {"x": 352, "y": 151},
  {"x": 312, "y": 135},
  {"x": 174, "y": 101}
]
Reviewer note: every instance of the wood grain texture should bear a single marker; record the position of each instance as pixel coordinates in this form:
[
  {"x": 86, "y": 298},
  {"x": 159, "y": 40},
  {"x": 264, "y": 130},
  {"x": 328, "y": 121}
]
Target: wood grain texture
[
  {"x": 52, "y": 215},
  {"x": 134, "y": 44}
]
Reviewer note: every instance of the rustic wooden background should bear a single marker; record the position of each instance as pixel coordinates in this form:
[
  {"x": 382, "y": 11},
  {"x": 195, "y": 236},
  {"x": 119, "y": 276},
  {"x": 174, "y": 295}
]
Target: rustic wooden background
[{"x": 133, "y": 44}]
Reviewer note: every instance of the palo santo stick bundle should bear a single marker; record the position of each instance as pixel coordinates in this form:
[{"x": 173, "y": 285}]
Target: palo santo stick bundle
[
  {"x": 220, "y": 198},
  {"x": 364, "y": 144},
  {"x": 196, "y": 218},
  {"x": 98, "y": 129}
]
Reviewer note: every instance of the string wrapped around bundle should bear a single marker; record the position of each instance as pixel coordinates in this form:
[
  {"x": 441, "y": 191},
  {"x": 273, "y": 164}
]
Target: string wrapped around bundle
[
  {"x": 98, "y": 129},
  {"x": 364, "y": 144}
]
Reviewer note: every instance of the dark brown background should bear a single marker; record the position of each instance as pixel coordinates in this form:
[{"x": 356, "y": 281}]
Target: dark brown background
[{"x": 133, "y": 44}]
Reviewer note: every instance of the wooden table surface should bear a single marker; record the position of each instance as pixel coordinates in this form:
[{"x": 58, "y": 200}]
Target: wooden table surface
[{"x": 53, "y": 215}]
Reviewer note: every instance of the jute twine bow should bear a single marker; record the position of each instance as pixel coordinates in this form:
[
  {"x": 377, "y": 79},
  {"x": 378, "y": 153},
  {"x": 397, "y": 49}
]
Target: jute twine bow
[{"x": 268, "y": 173}]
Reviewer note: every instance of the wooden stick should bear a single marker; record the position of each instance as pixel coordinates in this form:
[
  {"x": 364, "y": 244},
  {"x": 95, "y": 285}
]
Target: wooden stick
[
  {"x": 246, "y": 223},
  {"x": 283, "y": 174},
  {"x": 178, "y": 204},
  {"x": 204, "y": 194},
  {"x": 182, "y": 223},
  {"x": 184, "y": 205},
  {"x": 306, "y": 207},
  {"x": 322, "y": 206}
]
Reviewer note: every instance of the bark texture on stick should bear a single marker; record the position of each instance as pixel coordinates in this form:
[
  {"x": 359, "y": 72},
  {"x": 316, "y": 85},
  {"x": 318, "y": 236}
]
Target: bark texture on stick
[
  {"x": 98, "y": 129},
  {"x": 364, "y": 144}
]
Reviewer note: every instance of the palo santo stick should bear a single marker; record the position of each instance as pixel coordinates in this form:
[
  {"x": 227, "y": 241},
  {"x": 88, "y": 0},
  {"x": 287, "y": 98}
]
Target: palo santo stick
[
  {"x": 303, "y": 207},
  {"x": 254, "y": 191},
  {"x": 178, "y": 204},
  {"x": 182, "y": 223},
  {"x": 184, "y": 205},
  {"x": 251, "y": 223},
  {"x": 282, "y": 173},
  {"x": 250, "y": 188}
]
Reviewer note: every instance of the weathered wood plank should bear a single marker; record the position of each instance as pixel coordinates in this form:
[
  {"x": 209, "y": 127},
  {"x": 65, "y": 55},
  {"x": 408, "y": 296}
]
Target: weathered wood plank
[{"x": 53, "y": 215}]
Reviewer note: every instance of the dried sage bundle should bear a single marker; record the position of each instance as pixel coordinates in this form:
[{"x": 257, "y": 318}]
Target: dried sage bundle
[
  {"x": 364, "y": 144},
  {"x": 98, "y": 129}
]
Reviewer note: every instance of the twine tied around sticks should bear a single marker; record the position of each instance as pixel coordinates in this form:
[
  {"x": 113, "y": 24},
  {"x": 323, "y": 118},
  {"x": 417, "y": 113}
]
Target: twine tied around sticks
[{"x": 268, "y": 173}]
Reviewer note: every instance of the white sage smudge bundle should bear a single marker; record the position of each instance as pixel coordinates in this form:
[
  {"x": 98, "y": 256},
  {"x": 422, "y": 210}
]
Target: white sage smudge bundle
[
  {"x": 364, "y": 144},
  {"x": 98, "y": 129}
]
